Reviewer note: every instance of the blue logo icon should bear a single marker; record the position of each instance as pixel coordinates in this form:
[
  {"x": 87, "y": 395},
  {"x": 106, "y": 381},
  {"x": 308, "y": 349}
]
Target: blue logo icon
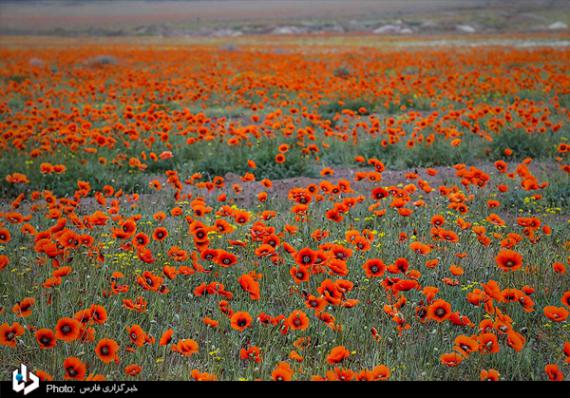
[{"x": 21, "y": 377}]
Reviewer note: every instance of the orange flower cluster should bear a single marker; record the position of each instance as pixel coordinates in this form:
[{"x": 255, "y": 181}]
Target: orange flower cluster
[{"x": 365, "y": 274}]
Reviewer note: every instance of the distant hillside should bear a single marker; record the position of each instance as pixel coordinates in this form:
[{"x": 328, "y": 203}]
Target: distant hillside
[{"x": 232, "y": 18}]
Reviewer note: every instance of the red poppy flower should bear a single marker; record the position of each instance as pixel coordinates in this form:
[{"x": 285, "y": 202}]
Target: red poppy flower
[
  {"x": 74, "y": 368},
  {"x": 45, "y": 338},
  {"x": 509, "y": 260},
  {"x": 298, "y": 320},
  {"x": 67, "y": 329},
  {"x": 337, "y": 355},
  {"x": 107, "y": 350},
  {"x": 9, "y": 333},
  {"x": 240, "y": 321}
]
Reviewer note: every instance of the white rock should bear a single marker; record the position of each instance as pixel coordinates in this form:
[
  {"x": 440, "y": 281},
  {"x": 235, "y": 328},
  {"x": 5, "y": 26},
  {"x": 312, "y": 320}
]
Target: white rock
[
  {"x": 388, "y": 29},
  {"x": 227, "y": 33},
  {"x": 558, "y": 25},
  {"x": 287, "y": 30},
  {"x": 465, "y": 28}
]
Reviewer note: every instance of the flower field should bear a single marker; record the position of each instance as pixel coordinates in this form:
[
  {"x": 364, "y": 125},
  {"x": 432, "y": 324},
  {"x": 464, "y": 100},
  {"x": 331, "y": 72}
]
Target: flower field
[{"x": 273, "y": 211}]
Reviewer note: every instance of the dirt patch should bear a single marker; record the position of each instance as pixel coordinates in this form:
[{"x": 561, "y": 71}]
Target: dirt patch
[
  {"x": 445, "y": 176},
  {"x": 247, "y": 198}
]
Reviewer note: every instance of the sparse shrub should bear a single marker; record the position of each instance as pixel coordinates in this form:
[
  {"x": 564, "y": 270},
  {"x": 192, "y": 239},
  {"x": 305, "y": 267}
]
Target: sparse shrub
[
  {"x": 342, "y": 72},
  {"x": 523, "y": 144},
  {"x": 101, "y": 60}
]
